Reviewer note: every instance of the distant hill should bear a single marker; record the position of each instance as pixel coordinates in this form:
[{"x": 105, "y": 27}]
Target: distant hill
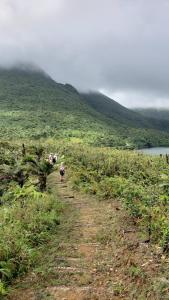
[
  {"x": 35, "y": 90},
  {"x": 112, "y": 109},
  {"x": 34, "y": 106},
  {"x": 115, "y": 111},
  {"x": 158, "y": 113}
]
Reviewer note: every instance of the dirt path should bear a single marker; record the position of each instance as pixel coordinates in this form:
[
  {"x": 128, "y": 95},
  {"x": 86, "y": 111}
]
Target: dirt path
[{"x": 98, "y": 255}]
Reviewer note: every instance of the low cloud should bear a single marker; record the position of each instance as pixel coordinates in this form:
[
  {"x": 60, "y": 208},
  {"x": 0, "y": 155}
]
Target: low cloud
[{"x": 119, "y": 46}]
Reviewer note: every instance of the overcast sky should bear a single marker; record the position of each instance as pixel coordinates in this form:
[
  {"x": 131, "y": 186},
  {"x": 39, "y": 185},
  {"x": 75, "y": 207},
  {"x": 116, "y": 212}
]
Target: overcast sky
[{"x": 120, "y": 47}]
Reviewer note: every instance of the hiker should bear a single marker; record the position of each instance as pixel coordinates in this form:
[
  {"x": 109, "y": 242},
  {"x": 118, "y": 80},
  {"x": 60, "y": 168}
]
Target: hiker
[
  {"x": 62, "y": 172},
  {"x": 55, "y": 158},
  {"x": 50, "y": 159}
]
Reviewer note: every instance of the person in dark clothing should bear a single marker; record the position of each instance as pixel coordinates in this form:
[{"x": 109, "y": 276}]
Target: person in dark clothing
[{"x": 62, "y": 172}]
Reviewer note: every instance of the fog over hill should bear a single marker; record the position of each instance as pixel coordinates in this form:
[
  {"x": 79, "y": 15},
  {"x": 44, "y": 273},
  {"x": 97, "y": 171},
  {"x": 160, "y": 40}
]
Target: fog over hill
[
  {"x": 33, "y": 105},
  {"x": 116, "y": 46},
  {"x": 156, "y": 113}
]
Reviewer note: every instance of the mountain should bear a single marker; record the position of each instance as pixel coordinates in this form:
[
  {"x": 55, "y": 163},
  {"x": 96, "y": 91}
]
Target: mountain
[
  {"x": 34, "y": 106},
  {"x": 155, "y": 113},
  {"x": 35, "y": 90},
  {"x": 117, "y": 112},
  {"x": 111, "y": 109}
]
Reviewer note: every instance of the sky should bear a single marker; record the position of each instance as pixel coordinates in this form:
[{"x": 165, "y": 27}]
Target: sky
[{"x": 119, "y": 47}]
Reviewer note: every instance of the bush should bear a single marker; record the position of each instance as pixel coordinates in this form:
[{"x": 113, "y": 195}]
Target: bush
[
  {"x": 140, "y": 182},
  {"x": 25, "y": 224}
]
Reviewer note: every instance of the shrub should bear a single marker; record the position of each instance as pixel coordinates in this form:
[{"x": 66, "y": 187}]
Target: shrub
[{"x": 25, "y": 224}]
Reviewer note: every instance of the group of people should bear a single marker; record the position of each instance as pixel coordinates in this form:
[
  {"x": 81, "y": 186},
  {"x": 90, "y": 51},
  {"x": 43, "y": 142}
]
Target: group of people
[{"x": 52, "y": 159}]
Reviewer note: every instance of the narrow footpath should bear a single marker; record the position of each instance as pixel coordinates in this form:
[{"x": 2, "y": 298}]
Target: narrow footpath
[{"x": 96, "y": 255}]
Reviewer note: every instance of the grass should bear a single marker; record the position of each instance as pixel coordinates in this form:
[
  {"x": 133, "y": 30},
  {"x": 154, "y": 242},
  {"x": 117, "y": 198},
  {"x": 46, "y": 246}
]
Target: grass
[
  {"x": 52, "y": 254},
  {"x": 116, "y": 266},
  {"x": 24, "y": 229},
  {"x": 28, "y": 216},
  {"x": 138, "y": 181}
]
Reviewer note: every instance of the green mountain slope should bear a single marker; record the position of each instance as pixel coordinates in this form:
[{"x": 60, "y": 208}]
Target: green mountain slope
[
  {"x": 34, "y": 90},
  {"x": 34, "y": 106},
  {"x": 115, "y": 111},
  {"x": 158, "y": 113}
]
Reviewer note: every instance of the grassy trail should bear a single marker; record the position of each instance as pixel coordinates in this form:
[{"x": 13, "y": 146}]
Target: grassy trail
[{"x": 94, "y": 256}]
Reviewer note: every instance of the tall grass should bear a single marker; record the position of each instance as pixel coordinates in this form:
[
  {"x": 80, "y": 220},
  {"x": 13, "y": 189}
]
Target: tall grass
[
  {"x": 28, "y": 217},
  {"x": 140, "y": 182},
  {"x": 25, "y": 225}
]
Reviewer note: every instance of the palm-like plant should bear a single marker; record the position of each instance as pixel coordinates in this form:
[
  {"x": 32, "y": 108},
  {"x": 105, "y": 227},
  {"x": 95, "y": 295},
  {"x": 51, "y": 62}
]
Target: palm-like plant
[
  {"x": 39, "y": 168},
  {"x": 15, "y": 172},
  {"x": 20, "y": 170},
  {"x": 39, "y": 152}
]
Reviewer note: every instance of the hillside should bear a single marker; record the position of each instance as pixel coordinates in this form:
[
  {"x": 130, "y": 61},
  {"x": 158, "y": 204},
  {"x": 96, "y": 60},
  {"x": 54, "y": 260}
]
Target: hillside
[
  {"x": 158, "y": 113},
  {"x": 115, "y": 111},
  {"x": 35, "y": 90},
  {"x": 34, "y": 106}
]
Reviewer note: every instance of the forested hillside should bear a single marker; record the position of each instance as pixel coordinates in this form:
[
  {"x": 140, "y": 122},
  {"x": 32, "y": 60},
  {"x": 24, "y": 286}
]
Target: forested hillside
[
  {"x": 156, "y": 113},
  {"x": 32, "y": 105},
  {"x": 115, "y": 111}
]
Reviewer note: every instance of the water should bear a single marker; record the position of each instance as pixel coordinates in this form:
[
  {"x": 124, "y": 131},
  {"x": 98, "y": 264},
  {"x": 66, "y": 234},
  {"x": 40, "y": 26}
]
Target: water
[{"x": 155, "y": 150}]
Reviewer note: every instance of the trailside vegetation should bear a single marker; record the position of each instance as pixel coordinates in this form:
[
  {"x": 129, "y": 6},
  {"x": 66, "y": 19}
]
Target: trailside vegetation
[
  {"x": 29, "y": 214},
  {"x": 140, "y": 182}
]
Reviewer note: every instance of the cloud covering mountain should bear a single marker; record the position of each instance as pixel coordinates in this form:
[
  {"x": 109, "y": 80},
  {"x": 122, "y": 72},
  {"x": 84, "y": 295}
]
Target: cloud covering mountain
[{"x": 118, "y": 46}]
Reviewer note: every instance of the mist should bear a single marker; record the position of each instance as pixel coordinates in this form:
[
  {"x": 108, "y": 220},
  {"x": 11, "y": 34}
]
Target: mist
[{"x": 116, "y": 46}]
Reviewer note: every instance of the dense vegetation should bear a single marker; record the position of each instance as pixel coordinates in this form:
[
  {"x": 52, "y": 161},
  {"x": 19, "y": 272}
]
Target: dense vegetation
[
  {"x": 48, "y": 116},
  {"x": 140, "y": 182},
  {"x": 28, "y": 213},
  {"x": 34, "y": 106},
  {"x": 158, "y": 113},
  {"x": 114, "y": 110},
  {"x": 130, "y": 118}
]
